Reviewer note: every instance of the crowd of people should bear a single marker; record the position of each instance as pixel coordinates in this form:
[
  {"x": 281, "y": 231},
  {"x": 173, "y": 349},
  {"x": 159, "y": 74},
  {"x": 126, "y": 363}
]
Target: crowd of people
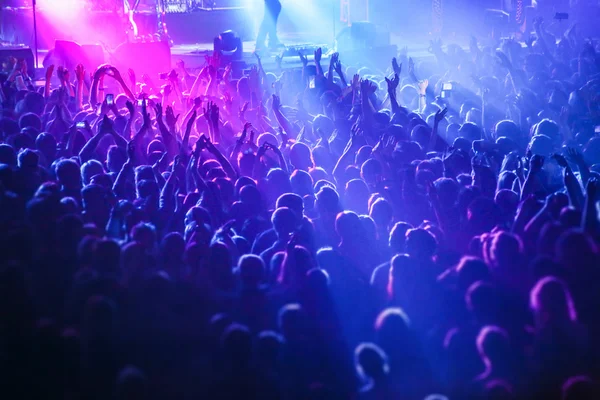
[{"x": 426, "y": 231}]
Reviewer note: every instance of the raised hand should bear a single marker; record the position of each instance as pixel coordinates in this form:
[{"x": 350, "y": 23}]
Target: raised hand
[
  {"x": 367, "y": 87},
  {"x": 60, "y": 73},
  {"x": 393, "y": 83},
  {"x": 114, "y": 72},
  {"x": 80, "y": 73},
  {"x": 422, "y": 85},
  {"x": 106, "y": 125},
  {"x": 440, "y": 115},
  {"x": 147, "y": 121},
  {"x": 242, "y": 138},
  {"x": 318, "y": 55},
  {"x": 397, "y": 68},
  {"x": 49, "y": 72},
  {"x": 276, "y": 103},
  {"x": 355, "y": 81},
  {"x": 575, "y": 156},
  {"x": 170, "y": 117},
  {"x": 130, "y": 152},
  {"x": 66, "y": 75},
  {"x": 132, "y": 78},
  {"x": 190, "y": 122},
  {"x": 561, "y": 160},
  {"x": 167, "y": 89},
  {"x": 211, "y": 113},
  {"x": 337, "y": 66},
  {"x": 411, "y": 66},
  {"x": 159, "y": 110},
  {"x": 303, "y": 59},
  {"x": 334, "y": 58},
  {"x": 131, "y": 108}
]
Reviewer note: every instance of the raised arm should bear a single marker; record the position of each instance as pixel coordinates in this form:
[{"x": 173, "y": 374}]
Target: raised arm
[
  {"x": 576, "y": 157},
  {"x": 80, "y": 75},
  {"x": 422, "y": 88},
  {"x": 282, "y": 163},
  {"x": 392, "y": 85},
  {"x": 88, "y": 150},
  {"x": 49, "y": 72},
  {"x": 337, "y": 66},
  {"x": 112, "y": 71},
  {"x": 533, "y": 181},
  {"x": 188, "y": 130},
  {"x": 318, "y": 55},
  {"x": 439, "y": 116},
  {"x": 168, "y": 139},
  {"x": 334, "y": 58},
  {"x": 227, "y": 167},
  {"x": 211, "y": 113},
  {"x": 571, "y": 182},
  {"x": 281, "y": 119},
  {"x": 126, "y": 173},
  {"x": 95, "y": 82}
]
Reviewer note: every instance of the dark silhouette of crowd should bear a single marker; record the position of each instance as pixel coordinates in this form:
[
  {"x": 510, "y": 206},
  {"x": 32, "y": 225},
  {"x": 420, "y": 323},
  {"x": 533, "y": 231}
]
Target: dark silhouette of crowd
[{"x": 426, "y": 231}]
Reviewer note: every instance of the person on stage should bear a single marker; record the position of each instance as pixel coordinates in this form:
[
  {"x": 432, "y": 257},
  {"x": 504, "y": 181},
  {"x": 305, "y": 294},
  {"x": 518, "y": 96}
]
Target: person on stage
[{"x": 269, "y": 26}]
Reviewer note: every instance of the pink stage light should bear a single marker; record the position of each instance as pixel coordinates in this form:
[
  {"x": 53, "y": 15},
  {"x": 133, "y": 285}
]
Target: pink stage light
[{"x": 64, "y": 10}]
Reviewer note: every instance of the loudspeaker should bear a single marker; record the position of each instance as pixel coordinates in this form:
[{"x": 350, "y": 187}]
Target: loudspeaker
[
  {"x": 20, "y": 53},
  {"x": 152, "y": 58},
  {"x": 68, "y": 54}
]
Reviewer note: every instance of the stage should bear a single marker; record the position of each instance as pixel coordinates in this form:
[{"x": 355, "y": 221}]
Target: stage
[{"x": 192, "y": 34}]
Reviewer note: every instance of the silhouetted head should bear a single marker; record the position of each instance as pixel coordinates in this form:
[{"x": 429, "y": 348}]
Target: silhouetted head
[
  {"x": 292, "y": 322},
  {"x": 284, "y": 222},
  {"x": 420, "y": 244},
  {"x": 397, "y": 240},
  {"x": 251, "y": 270},
  {"x": 67, "y": 172},
  {"x": 131, "y": 384},
  {"x": 580, "y": 388},
  {"x": 302, "y": 183},
  {"x": 493, "y": 344},
  {"x": 371, "y": 361},
  {"x": 328, "y": 202},
  {"x": 300, "y": 156},
  {"x": 551, "y": 302},
  {"x": 470, "y": 270},
  {"x": 236, "y": 345}
]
